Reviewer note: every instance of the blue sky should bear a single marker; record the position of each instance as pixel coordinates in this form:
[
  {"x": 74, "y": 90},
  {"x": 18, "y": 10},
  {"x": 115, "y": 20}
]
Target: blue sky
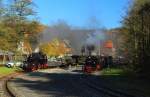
[{"x": 79, "y": 12}]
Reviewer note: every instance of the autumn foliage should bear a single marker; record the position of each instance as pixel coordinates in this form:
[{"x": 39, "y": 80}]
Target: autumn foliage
[{"x": 55, "y": 48}]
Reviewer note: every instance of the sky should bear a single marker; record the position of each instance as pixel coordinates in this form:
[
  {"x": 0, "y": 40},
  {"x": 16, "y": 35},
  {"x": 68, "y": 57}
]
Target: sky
[{"x": 80, "y": 13}]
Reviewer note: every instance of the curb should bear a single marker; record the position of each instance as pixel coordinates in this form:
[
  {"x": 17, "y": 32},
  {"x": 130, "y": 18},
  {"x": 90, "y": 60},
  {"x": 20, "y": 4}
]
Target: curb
[
  {"x": 12, "y": 90},
  {"x": 8, "y": 89}
]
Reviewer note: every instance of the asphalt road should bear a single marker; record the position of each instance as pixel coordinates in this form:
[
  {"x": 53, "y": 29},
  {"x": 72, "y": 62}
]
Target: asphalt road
[{"x": 55, "y": 83}]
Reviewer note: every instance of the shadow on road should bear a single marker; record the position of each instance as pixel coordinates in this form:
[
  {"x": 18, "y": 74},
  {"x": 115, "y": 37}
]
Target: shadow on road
[
  {"x": 67, "y": 84},
  {"x": 53, "y": 84},
  {"x": 78, "y": 71}
]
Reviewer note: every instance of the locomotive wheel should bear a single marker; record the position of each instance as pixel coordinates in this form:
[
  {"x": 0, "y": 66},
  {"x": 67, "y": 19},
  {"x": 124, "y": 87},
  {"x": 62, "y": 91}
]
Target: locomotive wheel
[
  {"x": 88, "y": 69},
  {"x": 39, "y": 66},
  {"x": 42, "y": 66},
  {"x": 98, "y": 67},
  {"x": 36, "y": 67},
  {"x": 33, "y": 68},
  {"x": 45, "y": 66}
]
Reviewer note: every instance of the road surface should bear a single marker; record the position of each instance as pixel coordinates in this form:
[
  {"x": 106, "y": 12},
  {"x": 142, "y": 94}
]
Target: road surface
[{"x": 55, "y": 83}]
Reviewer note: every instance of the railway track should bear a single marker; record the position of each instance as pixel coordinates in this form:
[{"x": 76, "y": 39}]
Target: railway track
[{"x": 4, "y": 91}]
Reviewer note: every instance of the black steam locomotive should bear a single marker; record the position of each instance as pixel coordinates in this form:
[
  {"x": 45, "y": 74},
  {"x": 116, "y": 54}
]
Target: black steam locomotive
[{"x": 35, "y": 61}]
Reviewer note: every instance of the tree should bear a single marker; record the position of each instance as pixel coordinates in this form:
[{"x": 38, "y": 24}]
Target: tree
[
  {"x": 7, "y": 38},
  {"x": 17, "y": 14},
  {"x": 2, "y": 8},
  {"x": 16, "y": 19},
  {"x": 55, "y": 48},
  {"x": 32, "y": 31},
  {"x": 137, "y": 27}
]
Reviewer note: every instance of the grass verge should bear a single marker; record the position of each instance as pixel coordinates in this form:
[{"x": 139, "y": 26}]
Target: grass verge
[
  {"x": 4, "y": 71},
  {"x": 122, "y": 79},
  {"x": 113, "y": 71}
]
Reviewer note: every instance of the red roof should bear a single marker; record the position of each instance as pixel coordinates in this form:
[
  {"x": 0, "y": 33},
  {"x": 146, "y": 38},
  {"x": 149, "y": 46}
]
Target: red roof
[{"x": 109, "y": 44}]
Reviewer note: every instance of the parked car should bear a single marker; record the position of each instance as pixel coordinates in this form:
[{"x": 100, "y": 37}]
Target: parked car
[
  {"x": 18, "y": 64},
  {"x": 12, "y": 64}
]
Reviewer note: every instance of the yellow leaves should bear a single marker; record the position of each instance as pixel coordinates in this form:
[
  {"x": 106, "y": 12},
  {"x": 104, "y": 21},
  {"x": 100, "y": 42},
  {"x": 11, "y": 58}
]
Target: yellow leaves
[
  {"x": 32, "y": 28},
  {"x": 55, "y": 48},
  {"x": 8, "y": 38},
  {"x": 40, "y": 28},
  {"x": 37, "y": 28}
]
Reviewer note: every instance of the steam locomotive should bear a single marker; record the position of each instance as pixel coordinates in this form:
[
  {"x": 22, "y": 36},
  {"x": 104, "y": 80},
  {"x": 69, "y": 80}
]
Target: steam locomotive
[
  {"x": 91, "y": 64},
  {"x": 35, "y": 61},
  {"x": 95, "y": 63}
]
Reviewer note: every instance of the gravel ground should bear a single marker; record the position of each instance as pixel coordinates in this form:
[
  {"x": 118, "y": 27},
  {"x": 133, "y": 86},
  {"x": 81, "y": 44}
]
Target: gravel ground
[{"x": 53, "y": 83}]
